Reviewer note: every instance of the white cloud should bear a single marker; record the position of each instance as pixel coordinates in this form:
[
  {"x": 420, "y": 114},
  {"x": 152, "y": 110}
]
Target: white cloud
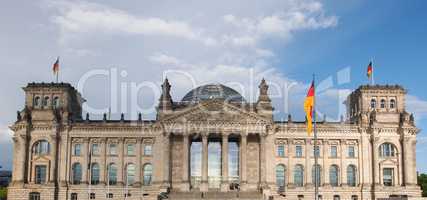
[
  {"x": 417, "y": 106},
  {"x": 83, "y": 18},
  {"x": 5, "y": 134}
]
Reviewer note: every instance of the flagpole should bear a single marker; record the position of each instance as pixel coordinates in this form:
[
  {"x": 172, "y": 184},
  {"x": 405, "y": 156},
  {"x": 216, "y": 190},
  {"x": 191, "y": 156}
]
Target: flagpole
[
  {"x": 316, "y": 171},
  {"x": 372, "y": 77}
]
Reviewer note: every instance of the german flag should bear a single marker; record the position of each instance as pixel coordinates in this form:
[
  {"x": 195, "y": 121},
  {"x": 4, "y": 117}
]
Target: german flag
[
  {"x": 370, "y": 70},
  {"x": 308, "y": 108},
  {"x": 55, "y": 68}
]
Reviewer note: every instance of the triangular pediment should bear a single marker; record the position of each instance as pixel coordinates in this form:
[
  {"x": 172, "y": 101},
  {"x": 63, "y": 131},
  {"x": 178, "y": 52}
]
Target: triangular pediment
[{"x": 214, "y": 111}]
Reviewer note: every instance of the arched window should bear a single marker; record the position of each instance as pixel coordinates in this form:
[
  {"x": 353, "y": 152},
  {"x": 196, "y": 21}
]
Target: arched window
[
  {"x": 45, "y": 101},
  {"x": 337, "y": 197},
  {"x": 130, "y": 174},
  {"x": 333, "y": 175},
  {"x": 387, "y": 150},
  {"x": 392, "y": 104},
  {"x": 148, "y": 173},
  {"x": 316, "y": 172},
  {"x": 94, "y": 173},
  {"x": 55, "y": 102},
  {"x": 299, "y": 175},
  {"x": 41, "y": 147},
  {"x": 37, "y": 102},
  {"x": 77, "y": 173},
  {"x": 280, "y": 176},
  {"x": 351, "y": 176},
  {"x": 354, "y": 197},
  {"x": 112, "y": 174},
  {"x": 373, "y": 103}
]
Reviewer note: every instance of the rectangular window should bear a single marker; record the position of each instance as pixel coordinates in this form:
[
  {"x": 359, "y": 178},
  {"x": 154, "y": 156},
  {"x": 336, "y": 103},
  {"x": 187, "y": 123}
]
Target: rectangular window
[
  {"x": 95, "y": 149},
  {"x": 73, "y": 196},
  {"x": 298, "y": 151},
  {"x": 148, "y": 150},
  {"x": 40, "y": 174},
  {"x": 110, "y": 196},
  {"x": 112, "y": 149},
  {"x": 281, "y": 151},
  {"x": 334, "y": 151},
  {"x": 77, "y": 149},
  {"x": 388, "y": 176},
  {"x": 351, "y": 152},
  {"x": 316, "y": 151},
  {"x": 92, "y": 195},
  {"x": 34, "y": 196},
  {"x": 130, "y": 149}
]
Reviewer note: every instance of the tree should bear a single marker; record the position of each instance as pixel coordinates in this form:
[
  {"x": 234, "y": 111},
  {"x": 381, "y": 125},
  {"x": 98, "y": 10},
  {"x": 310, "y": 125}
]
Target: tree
[
  {"x": 3, "y": 193},
  {"x": 422, "y": 181}
]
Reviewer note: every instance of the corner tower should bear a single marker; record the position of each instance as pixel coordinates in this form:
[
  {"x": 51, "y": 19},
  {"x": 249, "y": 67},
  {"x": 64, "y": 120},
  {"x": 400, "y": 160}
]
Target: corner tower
[{"x": 379, "y": 103}]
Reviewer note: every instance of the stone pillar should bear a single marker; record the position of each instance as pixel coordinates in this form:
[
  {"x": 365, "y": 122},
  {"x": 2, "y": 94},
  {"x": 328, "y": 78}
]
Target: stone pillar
[
  {"x": 224, "y": 157},
  {"x": 185, "y": 163},
  {"x": 204, "y": 184},
  {"x": 53, "y": 153},
  {"x": 409, "y": 162},
  {"x": 376, "y": 170},
  {"x": 103, "y": 164},
  {"x": 19, "y": 159},
  {"x": 88, "y": 164},
  {"x": 243, "y": 161},
  {"x": 343, "y": 169},
  {"x": 85, "y": 153},
  {"x": 138, "y": 168},
  {"x": 308, "y": 166},
  {"x": 120, "y": 165},
  {"x": 166, "y": 160},
  {"x": 326, "y": 149},
  {"x": 263, "y": 162}
]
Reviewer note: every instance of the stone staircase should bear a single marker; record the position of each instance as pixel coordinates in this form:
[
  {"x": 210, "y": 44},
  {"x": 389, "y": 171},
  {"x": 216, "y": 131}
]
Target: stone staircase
[{"x": 214, "y": 195}]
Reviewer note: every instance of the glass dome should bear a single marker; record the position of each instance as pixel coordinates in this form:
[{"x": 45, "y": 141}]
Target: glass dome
[{"x": 213, "y": 91}]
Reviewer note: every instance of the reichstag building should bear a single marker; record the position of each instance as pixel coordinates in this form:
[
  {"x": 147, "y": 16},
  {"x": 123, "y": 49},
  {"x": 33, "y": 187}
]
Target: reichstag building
[{"x": 212, "y": 144}]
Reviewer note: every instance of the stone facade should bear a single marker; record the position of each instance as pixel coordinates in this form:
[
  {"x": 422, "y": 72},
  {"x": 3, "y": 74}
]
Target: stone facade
[{"x": 371, "y": 155}]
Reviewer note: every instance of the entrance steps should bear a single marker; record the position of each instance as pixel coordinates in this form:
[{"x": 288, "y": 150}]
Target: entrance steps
[{"x": 215, "y": 195}]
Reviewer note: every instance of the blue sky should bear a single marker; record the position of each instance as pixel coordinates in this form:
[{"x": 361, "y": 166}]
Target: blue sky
[{"x": 283, "y": 41}]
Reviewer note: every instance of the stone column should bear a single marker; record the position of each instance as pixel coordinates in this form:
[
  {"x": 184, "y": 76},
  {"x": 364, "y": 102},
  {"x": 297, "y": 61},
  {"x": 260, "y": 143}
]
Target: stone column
[
  {"x": 120, "y": 165},
  {"x": 308, "y": 166},
  {"x": 138, "y": 168},
  {"x": 88, "y": 164},
  {"x": 85, "y": 163},
  {"x": 343, "y": 169},
  {"x": 185, "y": 163},
  {"x": 224, "y": 151},
  {"x": 103, "y": 164},
  {"x": 204, "y": 185},
  {"x": 243, "y": 161}
]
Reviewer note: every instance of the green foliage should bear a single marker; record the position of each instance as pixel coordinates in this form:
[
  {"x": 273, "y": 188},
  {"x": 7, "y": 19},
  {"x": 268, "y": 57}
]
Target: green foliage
[
  {"x": 422, "y": 181},
  {"x": 3, "y": 193}
]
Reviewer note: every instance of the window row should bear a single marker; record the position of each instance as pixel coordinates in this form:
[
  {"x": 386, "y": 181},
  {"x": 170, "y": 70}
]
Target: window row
[
  {"x": 298, "y": 175},
  {"x": 45, "y": 102},
  {"x": 130, "y": 149},
  {"x": 128, "y": 177},
  {"x": 383, "y": 104},
  {"x": 280, "y": 151}
]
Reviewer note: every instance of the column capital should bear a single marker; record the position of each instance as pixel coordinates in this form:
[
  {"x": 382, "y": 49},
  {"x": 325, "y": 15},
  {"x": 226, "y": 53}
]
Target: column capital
[{"x": 244, "y": 134}]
